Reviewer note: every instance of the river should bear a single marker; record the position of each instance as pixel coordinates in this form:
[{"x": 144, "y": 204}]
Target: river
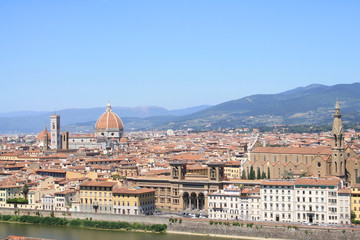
[{"x": 69, "y": 233}]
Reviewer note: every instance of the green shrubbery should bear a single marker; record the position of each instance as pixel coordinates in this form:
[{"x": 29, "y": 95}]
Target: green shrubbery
[
  {"x": 17, "y": 200},
  {"x": 84, "y": 223},
  {"x": 294, "y": 227},
  {"x": 226, "y": 223},
  {"x": 355, "y": 221}
]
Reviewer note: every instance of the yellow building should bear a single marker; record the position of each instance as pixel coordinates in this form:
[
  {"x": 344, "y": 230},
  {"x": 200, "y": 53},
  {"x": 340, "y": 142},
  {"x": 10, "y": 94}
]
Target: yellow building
[
  {"x": 133, "y": 201},
  {"x": 355, "y": 200},
  {"x": 232, "y": 169},
  {"x": 96, "y": 196},
  {"x": 10, "y": 191}
]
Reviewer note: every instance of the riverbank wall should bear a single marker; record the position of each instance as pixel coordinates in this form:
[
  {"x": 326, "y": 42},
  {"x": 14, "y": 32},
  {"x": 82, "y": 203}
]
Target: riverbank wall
[
  {"x": 256, "y": 230},
  {"x": 92, "y": 216},
  {"x": 265, "y": 231}
]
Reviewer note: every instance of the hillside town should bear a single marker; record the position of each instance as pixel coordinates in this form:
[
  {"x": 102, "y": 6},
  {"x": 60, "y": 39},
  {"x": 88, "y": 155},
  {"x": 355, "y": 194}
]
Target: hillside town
[{"x": 233, "y": 174}]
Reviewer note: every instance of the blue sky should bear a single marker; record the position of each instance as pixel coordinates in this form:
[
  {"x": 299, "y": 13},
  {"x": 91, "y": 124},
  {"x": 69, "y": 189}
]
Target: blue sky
[{"x": 175, "y": 54}]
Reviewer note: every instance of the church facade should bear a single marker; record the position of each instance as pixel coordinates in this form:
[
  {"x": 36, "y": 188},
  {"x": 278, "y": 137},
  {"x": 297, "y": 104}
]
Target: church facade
[{"x": 336, "y": 160}]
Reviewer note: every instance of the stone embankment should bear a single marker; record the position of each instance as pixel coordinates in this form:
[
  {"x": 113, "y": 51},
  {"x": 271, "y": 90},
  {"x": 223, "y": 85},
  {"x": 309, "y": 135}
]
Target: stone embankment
[
  {"x": 265, "y": 231},
  {"x": 257, "y": 230}
]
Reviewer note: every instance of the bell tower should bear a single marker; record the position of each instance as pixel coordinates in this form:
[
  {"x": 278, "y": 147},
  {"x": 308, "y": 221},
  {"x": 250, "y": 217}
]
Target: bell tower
[
  {"x": 45, "y": 139},
  {"x": 215, "y": 171},
  {"x": 55, "y": 132},
  {"x": 337, "y": 145},
  {"x": 178, "y": 170}
]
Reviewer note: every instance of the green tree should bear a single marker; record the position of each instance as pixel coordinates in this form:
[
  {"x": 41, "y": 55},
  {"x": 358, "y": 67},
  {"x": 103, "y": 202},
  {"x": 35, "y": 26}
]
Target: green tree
[
  {"x": 263, "y": 175},
  {"x": 252, "y": 173},
  {"x": 288, "y": 175},
  {"x": 258, "y": 174},
  {"x": 268, "y": 175},
  {"x": 25, "y": 190},
  {"x": 353, "y": 216},
  {"x": 243, "y": 174}
]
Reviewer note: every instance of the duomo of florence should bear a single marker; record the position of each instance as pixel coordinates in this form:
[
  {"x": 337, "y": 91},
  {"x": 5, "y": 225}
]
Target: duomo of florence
[{"x": 108, "y": 134}]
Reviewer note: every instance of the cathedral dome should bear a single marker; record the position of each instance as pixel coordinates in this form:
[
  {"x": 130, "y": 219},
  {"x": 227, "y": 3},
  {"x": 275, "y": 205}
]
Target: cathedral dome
[{"x": 109, "y": 121}]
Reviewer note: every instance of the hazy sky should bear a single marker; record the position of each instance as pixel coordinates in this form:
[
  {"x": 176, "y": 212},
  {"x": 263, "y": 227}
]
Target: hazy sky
[{"x": 175, "y": 54}]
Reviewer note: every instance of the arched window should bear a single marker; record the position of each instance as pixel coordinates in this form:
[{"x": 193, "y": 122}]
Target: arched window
[
  {"x": 335, "y": 140},
  {"x": 335, "y": 167},
  {"x": 341, "y": 166}
]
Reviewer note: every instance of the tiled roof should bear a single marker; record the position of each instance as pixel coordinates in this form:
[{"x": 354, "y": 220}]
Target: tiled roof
[
  {"x": 292, "y": 150},
  {"x": 98, "y": 184},
  {"x": 132, "y": 190},
  {"x": 317, "y": 181}
]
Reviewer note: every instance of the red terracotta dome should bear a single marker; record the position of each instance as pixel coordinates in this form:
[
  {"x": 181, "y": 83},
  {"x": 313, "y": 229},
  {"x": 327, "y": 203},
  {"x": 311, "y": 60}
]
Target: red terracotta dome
[{"x": 108, "y": 120}]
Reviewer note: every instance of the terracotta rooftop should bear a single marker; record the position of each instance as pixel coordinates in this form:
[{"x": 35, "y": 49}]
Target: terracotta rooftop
[
  {"x": 292, "y": 150},
  {"x": 98, "y": 184},
  {"x": 278, "y": 182},
  {"x": 132, "y": 190},
  {"x": 317, "y": 181}
]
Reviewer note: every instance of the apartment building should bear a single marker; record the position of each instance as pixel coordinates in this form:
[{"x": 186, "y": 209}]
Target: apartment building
[
  {"x": 96, "y": 197},
  {"x": 133, "y": 201},
  {"x": 305, "y": 200},
  {"x": 10, "y": 191},
  {"x": 232, "y": 203},
  {"x": 64, "y": 199},
  {"x": 355, "y": 200},
  {"x": 277, "y": 197}
]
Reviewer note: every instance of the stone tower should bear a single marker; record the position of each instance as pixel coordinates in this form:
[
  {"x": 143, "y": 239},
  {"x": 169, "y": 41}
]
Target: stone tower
[
  {"x": 337, "y": 145},
  {"x": 65, "y": 140},
  {"x": 178, "y": 170},
  {"x": 55, "y": 131},
  {"x": 45, "y": 140},
  {"x": 216, "y": 171}
]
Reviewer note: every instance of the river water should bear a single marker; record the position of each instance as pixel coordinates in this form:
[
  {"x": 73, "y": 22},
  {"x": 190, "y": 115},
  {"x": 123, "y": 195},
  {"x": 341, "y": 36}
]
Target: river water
[{"x": 69, "y": 233}]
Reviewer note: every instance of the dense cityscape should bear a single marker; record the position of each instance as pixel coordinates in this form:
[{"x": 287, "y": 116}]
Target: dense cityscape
[
  {"x": 237, "y": 174},
  {"x": 165, "y": 120}
]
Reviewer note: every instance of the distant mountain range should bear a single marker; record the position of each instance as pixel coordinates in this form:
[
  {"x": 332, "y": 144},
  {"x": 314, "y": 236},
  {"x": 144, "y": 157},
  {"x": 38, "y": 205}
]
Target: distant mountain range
[
  {"x": 31, "y": 121},
  {"x": 313, "y": 104}
]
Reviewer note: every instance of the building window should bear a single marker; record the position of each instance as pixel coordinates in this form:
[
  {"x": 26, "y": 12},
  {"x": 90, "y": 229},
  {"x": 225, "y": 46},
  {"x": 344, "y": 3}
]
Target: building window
[{"x": 356, "y": 174}]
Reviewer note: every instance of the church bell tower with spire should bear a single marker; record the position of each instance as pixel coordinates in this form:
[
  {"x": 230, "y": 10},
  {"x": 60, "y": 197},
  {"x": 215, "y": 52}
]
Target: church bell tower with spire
[
  {"x": 45, "y": 140},
  {"x": 337, "y": 145}
]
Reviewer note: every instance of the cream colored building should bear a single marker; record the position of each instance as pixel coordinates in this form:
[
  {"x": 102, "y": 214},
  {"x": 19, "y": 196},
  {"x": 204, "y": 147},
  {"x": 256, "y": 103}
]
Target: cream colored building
[
  {"x": 133, "y": 201},
  {"x": 306, "y": 200}
]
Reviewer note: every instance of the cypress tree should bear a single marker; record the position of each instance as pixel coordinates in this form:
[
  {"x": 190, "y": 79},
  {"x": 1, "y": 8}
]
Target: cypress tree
[
  {"x": 268, "y": 176},
  {"x": 243, "y": 174},
  {"x": 258, "y": 174},
  {"x": 252, "y": 173},
  {"x": 263, "y": 175}
]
